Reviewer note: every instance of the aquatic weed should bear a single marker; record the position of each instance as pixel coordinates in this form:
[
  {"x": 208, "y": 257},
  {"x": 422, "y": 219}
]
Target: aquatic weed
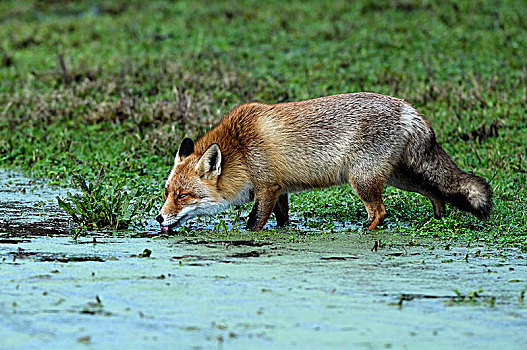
[
  {"x": 472, "y": 298},
  {"x": 102, "y": 205},
  {"x": 222, "y": 226}
]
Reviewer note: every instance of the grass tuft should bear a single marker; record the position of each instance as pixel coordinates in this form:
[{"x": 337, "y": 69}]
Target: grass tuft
[{"x": 100, "y": 205}]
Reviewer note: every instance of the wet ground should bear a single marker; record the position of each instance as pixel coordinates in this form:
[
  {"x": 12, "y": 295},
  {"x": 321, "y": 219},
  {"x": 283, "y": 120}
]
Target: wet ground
[{"x": 246, "y": 290}]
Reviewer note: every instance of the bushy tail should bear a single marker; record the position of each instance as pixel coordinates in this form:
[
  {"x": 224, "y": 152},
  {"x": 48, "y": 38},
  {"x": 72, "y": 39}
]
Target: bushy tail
[
  {"x": 426, "y": 168},
  {"x": 465, "y": 191}
]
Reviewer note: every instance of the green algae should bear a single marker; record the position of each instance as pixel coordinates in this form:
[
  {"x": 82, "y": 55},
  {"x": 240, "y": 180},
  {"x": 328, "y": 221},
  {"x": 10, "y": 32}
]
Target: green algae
[{"x": 243, "y": 290}]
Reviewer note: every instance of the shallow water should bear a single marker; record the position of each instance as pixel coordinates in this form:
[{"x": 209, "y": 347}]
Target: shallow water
[{"x": 246, "y": 290}]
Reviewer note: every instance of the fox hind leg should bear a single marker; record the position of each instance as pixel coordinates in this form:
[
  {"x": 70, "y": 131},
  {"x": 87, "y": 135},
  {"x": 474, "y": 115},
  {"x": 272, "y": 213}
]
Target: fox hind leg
[
  {"x": 405, "y": 179},
  {"x": 370, "y": 192},
  {"x": 438, "y": 205}
]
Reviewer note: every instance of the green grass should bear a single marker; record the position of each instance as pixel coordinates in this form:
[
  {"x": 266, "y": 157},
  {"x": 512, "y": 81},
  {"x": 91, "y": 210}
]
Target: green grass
[{"x": 119, "y": 83}]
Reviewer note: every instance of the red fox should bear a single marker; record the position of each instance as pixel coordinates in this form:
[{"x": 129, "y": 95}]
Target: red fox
[{"x": 261, "y": 152}]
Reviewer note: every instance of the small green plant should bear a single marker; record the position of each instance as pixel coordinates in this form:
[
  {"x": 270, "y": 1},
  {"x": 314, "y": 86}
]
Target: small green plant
[
  {"x": 221, "y": 226},
  {"x": 104, "y": 206},
  {"x": 472, "y": 298},
  {"x": 382, "y": 243}
]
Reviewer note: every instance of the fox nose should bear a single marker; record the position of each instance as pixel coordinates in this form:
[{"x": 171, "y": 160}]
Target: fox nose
[{"x": 159, "y": 218}]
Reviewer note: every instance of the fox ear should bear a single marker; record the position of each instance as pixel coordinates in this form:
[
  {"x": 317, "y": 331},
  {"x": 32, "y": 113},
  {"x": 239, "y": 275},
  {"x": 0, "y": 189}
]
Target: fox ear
[
  {"x": 209, "y": 165},
  {"x": 185, "y": 149}
]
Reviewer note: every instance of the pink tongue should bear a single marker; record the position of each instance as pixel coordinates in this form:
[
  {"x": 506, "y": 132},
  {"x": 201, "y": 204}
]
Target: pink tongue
[{"x": 164, "y": 228}]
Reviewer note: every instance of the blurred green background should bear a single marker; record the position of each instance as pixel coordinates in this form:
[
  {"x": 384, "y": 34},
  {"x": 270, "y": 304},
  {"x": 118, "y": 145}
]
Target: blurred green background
[{"x": 85, "y": 84}]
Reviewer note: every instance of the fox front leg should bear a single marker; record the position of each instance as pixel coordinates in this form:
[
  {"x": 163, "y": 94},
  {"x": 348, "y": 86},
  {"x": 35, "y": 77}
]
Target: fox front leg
[
  {"x": 264, "y": 202},
  {"x": 281, "y": 210}
]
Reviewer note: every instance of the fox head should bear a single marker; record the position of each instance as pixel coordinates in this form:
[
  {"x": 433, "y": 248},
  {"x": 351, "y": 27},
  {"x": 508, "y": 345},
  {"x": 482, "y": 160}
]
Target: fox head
[{"x": 191, "y": 188}]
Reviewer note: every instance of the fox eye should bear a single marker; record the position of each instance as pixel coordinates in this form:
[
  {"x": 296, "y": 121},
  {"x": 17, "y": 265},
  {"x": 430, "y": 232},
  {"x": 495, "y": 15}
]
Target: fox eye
[
  {"x": 182, "y": 195},
  {"x": 166, "y": 194}
]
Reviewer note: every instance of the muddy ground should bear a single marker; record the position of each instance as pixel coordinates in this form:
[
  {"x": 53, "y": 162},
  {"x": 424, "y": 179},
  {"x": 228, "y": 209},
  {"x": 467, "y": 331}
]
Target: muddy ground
[{"x": 245, "y": 290}]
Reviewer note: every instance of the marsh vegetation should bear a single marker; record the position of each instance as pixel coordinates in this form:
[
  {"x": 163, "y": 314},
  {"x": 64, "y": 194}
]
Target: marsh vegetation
[{"x": 117, "y": 84}]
